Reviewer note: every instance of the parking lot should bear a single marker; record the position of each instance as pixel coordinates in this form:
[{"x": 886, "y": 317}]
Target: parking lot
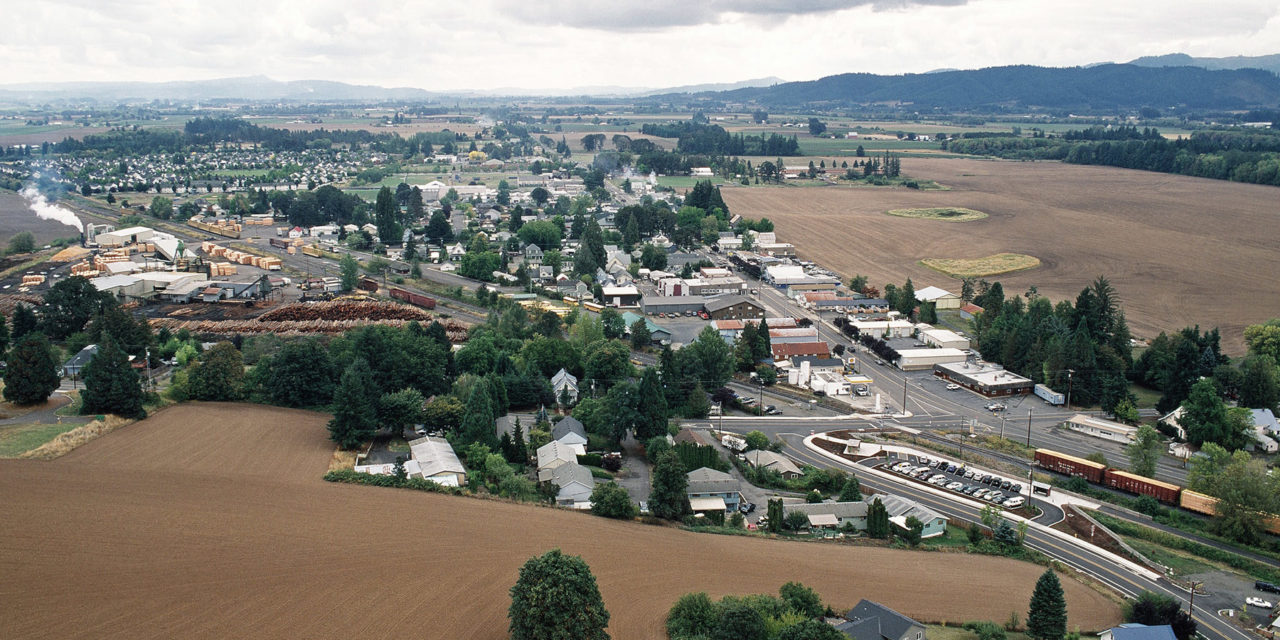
[{"x": 961, "y": 479}]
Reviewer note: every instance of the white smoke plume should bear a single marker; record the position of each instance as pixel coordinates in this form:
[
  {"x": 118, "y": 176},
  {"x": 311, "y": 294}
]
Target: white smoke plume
[{"x": 47, "y": 211}]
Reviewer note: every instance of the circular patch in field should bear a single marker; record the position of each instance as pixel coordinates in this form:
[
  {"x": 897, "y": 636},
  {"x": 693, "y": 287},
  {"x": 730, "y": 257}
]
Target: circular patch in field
[
  {"x": 946, "y": 214},
  {"x": 982, "y": 267}
]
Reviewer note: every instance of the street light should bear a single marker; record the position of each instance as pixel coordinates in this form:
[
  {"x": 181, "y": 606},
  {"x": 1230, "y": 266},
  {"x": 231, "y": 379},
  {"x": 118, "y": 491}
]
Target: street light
[{"x": 1069, "y": 372}]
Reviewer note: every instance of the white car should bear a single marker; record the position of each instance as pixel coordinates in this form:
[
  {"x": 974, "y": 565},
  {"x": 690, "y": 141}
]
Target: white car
[
  {"x": 952, "y": 387},
  {"x": 938, "y": 480},
  {"x": 1258, "y": 602},
  {"x": 954, "y": 485}
]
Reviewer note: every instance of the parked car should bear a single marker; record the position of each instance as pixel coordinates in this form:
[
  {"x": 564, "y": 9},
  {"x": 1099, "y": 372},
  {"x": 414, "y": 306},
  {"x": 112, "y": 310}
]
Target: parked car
[
  {"x": 951, "y": 468},
  {"x": 995, "y": 407},
  {"x": 1005, "y": 485},
  {"x": 938, "y": 480},
  {"x": 772, "y": 410},
  {"x": 1258, "y": 602},
  {"x": 1017, "y": 488},
  {"x": 995, "y": 496},
  {"x": 1014, "y": 502},
  {"x": 980, "y": 492},
  {"x": 952, "y": 387},
  {"x": 747, "y": 507},
  {"x": 1266, "y": 586},
  {"x": 969, "y": 473},
  {"x": 952, "y": 486}
]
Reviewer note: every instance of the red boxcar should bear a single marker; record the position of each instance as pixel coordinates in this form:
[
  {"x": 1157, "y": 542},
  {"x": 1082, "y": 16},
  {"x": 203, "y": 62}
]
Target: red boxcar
[
  {"x": 1162, "y": 491},
  {"x": 1070, "y": 465},
  {"x": 368, "y": 284},
  {"x": 413, "y": 298}
]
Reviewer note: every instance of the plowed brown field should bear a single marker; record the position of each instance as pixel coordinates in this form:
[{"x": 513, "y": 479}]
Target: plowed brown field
[
  {"x": 1180, "y": 251},
  {"x": 211, "y": 521}
]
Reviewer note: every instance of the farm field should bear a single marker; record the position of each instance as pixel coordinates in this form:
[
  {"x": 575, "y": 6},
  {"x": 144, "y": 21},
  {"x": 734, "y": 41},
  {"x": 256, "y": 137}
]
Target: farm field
[
  {"x": 16, "y": 217},
  {"x": 1179, "y": 250},
  {"x": 211, "y": 520}
]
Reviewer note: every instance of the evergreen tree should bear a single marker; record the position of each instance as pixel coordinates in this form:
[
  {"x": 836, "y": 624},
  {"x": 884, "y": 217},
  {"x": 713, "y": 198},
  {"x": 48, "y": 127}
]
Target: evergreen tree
[
  {"x": 518, "y": 449},
  {"x": 1047, "y": 614},
  {"x": 668, "y": 500},
  {"x": 764, "y": 346},
  {"x": 776, "y": 515},
  {"x": 556, "y": 598},
  {"x": 32, "y": 373},
  {"x": 111, "y": 385},
  {"x": 877, "y": 520},
  {"x": 438, "y": 228},
  {"x": 652, "y": 407},
  {"x": 355, "y": 417},
  {"x": 386, "y": 216},
  {"x": 4, "y": 336},
  {"x": 1205, "y": 415},
  {"x": 852, "y": 490},
  {"x": 69, "y": 305},
  {"x": 478, "y": 419},
  {"x": 907, "y": 299},
  {"x": 24, "y": 322},
  {"x": 593, "y": 242},
  {"x": 410, "y": 253}
]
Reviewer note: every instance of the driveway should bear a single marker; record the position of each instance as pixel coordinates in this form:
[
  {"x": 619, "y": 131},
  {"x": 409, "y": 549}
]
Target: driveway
[{"x": 634, "y": 476}]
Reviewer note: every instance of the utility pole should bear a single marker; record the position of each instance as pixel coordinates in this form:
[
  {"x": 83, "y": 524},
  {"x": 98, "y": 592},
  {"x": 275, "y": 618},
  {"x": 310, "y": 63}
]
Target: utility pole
[
  {"x": 1191, "y": 606},
  {"x": 1069, "y": 372},
  {"x": 904, "y": 392},
  {"x": 1030, "y": 468}
]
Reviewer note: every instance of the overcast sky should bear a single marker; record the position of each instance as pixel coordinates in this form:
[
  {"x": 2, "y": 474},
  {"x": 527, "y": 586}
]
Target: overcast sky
[{"x": 546, "y": 44}]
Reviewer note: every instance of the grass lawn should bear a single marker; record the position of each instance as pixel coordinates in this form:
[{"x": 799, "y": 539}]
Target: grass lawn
[
  {"x": 20, "y": 438},
  {"x": 686, "y": 182},
  {"x": 954, "y": 537},
  {"x": 1147, "y": 398},
  {"x": 939, "y": 632},
  {"x": 1182, "y": 564}
]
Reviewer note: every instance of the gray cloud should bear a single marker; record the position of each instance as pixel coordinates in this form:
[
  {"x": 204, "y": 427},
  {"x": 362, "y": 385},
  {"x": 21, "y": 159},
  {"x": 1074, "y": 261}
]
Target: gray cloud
[{"x": 661, "y": 14}]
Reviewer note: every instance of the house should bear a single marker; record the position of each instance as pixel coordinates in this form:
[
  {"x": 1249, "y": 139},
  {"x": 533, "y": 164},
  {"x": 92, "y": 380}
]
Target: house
[
  {"x": 970, "y": 310},
  {"x": 762, "y": 459},
  {"x": 575, "y": 483},
  {"x": 941, "y": 298},
  {"x": 563, "y": 382},
  {"x": 1265, "y": 429},
  {"x": 455, "y": 252},
  {"x": 900, "y": 508},
  {"x": 833, "y": 514},
  {"x": 507, "y": 424},
  {"x": 1136, "y": 631},
  {"x": 733, "y": 307},
  {"x": 552, "y": 455},
  {"x": 873, "y": 621},
  {"x": 532, "y": 256},
  {"x": 570, "y": 432},
  {"x": 721, "y": 490},
  {"x": 77, "y": 362},
  {"x": 436, "y": 461}
]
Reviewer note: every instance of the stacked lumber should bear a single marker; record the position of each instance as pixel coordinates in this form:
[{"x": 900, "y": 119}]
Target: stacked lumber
[
  {"x": 10, "y": 301},
  {"x": 83, "y": 268},
  {"x": 222, "y": 269},
  {"x": 32, "y": 280},
  {"x": 69, "y": 254}
]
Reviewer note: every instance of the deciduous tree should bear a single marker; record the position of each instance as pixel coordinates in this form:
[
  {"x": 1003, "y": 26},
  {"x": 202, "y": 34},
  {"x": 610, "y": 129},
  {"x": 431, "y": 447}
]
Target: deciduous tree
[
  {"x": 556, "y": 598},
  {"x": 1144, "y": 452},
  {"x": 668, "y": 499}
]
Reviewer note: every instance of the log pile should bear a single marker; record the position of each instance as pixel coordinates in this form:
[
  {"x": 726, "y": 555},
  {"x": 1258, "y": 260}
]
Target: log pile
[
  {"x": 457, "y": 332},
  {"x": 10, "y": 301},
  {"x": 370, "y": 311}
]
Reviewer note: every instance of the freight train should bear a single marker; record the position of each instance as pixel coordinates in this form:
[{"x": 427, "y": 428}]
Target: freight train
[
  {"x": 412, "y": 298},
  {"x": 1168, "y": 493}
]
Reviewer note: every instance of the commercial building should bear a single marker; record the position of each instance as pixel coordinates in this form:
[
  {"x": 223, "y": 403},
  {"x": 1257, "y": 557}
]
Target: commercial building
[
  {"x": 941, "y": 298},
  {"x": 988, "y": 379},
  {"x": 733, "y": 308},
  {"x": 671, "y": 304},
  {"x": 944, "y": 339},
  {"x": 627, "y": 296},
  {"x": 921, "y": 359},
  {"x": 1099, "y": 428},
  {"x": 878, "y": 328}
]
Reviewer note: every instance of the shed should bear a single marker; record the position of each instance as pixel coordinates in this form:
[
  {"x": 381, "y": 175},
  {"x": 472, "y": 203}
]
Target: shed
[{"x": 437, "y": 461}]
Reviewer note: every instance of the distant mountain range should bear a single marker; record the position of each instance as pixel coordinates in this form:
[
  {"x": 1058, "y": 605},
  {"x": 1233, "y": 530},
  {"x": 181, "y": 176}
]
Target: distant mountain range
[
  {"x": 1270, "y": 63},
  {"x": 1101, "y": 87},
  {"x": 259, "y": 88}
]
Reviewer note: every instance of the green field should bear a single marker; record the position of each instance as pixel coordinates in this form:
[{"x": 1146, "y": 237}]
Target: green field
[
  {"x": 686, "y": 182},
  {"x": 21, "y": 438}
]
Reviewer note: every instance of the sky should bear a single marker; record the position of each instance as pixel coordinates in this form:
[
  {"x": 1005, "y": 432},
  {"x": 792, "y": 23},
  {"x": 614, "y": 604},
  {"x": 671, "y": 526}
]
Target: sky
[{"x": 560, "y": 44}]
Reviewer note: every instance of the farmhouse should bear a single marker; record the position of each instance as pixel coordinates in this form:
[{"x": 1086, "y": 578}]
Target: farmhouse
[
  {"x": 874, "y": 621},
  {"x": 436, "y": 462},
  {"x": 987, "y": 379},
  {"x": 733, "y": 308},
  {"x": 764, "y": 459},
  {"x": 1099, "y": 428},
  {"x": 713, "y": 489}
]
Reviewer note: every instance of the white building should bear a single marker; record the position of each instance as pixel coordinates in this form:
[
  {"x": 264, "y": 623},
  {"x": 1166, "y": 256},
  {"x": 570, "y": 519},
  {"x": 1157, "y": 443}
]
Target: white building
[
  {"x": 941, "y": 298},
  {"x": 436, "y": 461},
  {"x": 917, "y": 359},
  {"x": 944, "y": 338},
  {"x": 1099, "y": 428}
]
